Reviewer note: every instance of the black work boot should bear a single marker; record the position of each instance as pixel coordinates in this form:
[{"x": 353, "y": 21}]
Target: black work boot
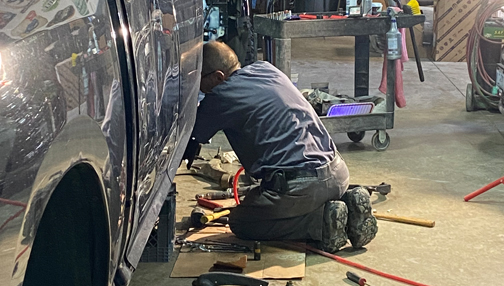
[
  {"x": 334, "y": 228},
  {"x": 362, "y": 227}
]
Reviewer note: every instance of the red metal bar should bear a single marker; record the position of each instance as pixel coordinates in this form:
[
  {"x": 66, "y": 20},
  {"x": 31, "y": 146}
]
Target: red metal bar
[
  {"x": 14, "y": 203},
  {"x": 484, "y": 189},
  {"x": 11, "y": 218},
  {"x": 362, "y": 267}
]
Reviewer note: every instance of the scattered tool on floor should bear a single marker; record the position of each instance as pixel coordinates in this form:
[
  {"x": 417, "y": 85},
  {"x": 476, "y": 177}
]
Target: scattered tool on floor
[
  {"x": 212, "y": 246},
  {"x": 208, "y": 203},
  {"x": 382, "y": 188},
  {"x": 222, "y": 278},
  {"x": 227, "y": 194},
  {"x": 362, "y": 267},
  {"x": 408, "y": 220},
  {"x": 356, "y": 278},
  {"x": 199, "y": 217},
  {"x": 484, "y": 189}
]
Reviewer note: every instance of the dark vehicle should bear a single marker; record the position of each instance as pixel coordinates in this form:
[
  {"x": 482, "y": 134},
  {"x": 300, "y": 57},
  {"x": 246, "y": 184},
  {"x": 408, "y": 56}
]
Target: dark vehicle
[{"x": 98, "y": 100}]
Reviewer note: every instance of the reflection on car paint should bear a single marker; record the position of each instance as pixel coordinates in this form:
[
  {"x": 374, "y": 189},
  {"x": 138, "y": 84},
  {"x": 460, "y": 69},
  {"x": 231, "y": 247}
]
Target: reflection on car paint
[{"x": 62, "y": 104}]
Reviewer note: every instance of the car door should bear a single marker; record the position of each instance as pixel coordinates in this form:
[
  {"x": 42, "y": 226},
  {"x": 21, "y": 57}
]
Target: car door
[{"x": 154, "y": 37}]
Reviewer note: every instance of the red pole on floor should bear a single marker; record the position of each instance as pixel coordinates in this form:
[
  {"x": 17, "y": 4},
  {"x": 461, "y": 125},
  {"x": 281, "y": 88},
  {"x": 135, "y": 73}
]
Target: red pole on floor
[
  {"x": 484, "y": 189},
  {"x": 11, "y": 202},
  {"x": 362, "y": 267}
]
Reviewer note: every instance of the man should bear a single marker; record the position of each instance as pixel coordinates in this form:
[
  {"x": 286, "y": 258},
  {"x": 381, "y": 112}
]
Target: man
[{"x": 279, "y": 139}]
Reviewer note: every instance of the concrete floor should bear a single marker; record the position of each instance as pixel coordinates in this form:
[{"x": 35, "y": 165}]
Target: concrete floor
[{"x": 438, "y": 153}]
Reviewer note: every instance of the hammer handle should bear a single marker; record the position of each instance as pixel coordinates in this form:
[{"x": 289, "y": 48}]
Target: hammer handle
[
  {"x": 410, "y": 220},
  {"x": 214, "y": 216}
]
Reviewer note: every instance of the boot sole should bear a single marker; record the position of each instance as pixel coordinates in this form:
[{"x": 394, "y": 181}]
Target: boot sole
[
  {"x": 362, "y": 225},
  {"x": 335, "y": 220}
]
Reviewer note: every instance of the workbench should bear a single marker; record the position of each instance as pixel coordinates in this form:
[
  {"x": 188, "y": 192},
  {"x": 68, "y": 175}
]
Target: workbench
[{"x": 280, "y": 32}]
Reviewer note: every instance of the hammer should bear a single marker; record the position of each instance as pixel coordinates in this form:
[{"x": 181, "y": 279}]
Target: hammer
[{"x": 199, "y": 218}]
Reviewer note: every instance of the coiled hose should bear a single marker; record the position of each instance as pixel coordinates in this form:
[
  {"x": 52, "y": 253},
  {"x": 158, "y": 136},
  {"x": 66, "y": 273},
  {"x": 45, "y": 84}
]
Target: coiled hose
[{"x": 474, "y": 58}]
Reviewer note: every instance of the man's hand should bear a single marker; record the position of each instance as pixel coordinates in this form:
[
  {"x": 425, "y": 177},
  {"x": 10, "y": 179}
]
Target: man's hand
[{"x": 192, "y": 149}]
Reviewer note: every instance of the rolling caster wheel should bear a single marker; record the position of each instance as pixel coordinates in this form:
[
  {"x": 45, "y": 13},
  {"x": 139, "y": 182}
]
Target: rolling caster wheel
[
  {"x": 380, "y": 146},
  {"x": 356, "y": 136},
  {"x": 470, "y": 104}
]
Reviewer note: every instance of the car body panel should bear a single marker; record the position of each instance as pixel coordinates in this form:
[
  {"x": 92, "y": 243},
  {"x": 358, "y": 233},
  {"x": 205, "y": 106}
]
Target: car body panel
[{"x": 77, "y": 88}]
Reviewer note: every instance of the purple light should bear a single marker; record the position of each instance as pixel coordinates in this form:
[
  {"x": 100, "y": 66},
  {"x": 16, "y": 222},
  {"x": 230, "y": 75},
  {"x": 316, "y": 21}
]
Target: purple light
[{"x": 345, "y": 109}]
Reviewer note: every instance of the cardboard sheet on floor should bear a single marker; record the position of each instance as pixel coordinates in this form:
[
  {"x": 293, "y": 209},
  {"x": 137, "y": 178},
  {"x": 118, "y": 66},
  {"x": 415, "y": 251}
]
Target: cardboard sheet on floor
[{"x": 279, "y": 260}]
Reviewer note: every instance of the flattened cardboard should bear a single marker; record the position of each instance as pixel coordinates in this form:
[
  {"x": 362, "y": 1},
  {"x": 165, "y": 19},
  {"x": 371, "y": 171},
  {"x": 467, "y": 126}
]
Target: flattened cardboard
[
  {"x": 452, "y": 22},
  {"x": 279, "y": 260}
]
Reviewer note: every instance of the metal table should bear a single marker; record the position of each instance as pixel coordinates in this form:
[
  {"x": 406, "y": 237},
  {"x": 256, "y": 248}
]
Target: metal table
[{"x": 282, "y": 32}]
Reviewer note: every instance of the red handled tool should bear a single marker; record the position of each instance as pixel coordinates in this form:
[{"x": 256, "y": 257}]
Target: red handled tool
[
  {"x": 356, "y": 278},
  {"x": 209, "y": 204}
]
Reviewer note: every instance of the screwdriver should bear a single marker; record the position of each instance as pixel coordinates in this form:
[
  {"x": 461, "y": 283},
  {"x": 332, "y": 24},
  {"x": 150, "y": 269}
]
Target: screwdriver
[{"x": 356, "y": 278}]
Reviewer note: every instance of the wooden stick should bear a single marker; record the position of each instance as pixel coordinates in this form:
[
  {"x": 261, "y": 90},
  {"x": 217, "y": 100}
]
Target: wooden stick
[{"x": 410, "y": 220}]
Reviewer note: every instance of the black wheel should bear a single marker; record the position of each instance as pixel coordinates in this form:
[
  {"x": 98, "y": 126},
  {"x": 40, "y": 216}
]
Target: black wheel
[
  {"x": 470, "y": 98},
  {"x": 356, "y": 136},
  {"x": 380, "y": 146},
  {"x": 501, "y": 106}
]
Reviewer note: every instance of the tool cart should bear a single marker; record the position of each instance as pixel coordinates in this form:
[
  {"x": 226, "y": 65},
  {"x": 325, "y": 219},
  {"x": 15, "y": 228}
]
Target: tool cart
[{"x": 280, "y": 33}]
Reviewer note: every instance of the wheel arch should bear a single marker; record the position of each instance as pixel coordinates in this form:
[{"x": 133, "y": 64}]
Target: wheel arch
[{"x": 81, "y": 146}]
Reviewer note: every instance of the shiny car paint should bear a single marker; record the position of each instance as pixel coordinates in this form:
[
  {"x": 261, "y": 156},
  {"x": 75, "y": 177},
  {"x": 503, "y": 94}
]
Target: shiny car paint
[{"x": 111, "y": 85}]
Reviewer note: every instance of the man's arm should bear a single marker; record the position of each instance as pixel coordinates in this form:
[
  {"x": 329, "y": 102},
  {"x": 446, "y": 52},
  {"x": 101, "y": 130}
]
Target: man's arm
[{"x": 209, "y": 120}]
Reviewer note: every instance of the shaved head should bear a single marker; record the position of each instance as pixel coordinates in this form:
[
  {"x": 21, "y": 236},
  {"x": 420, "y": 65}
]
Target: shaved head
[{"x": 219, "y": 56}]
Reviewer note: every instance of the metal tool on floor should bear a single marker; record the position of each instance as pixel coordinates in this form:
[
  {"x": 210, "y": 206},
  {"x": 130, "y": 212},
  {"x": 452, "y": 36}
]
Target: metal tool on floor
[
  {"x": 362, "y": 267},
  {"x": 209, "y": 204},
  {"x": 227, "y": 194},
  {"x": 223, "y": 278},
  {"x": 212, "y": 246},
  {"x": 408, "y": 220},
  {"x": 199, "y": 217},
  {"x": 356, "y": 278},
  {"x": 484, "y": 189},
  {"x": 382, "y": 188}
]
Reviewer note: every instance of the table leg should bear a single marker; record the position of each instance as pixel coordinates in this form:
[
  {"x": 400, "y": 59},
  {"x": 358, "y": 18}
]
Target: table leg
[
  {"x": 391, "y": 75},
  {"x": 361, "y": 77},
  {"x": 282, "y": 55}
]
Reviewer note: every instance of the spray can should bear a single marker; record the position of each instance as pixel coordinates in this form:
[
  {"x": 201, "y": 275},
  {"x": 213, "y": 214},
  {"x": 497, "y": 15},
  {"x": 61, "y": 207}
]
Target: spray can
[
  {"x": 257, "y": 250},
  {"x": 394, "y": 41}
]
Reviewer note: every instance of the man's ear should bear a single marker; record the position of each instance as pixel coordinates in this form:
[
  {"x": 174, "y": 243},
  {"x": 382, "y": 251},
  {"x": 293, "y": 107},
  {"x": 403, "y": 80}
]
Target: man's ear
[{"x": 220, "y": 76}]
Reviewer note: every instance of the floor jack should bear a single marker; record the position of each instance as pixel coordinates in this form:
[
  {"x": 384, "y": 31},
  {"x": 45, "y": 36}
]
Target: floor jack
[{"x": 224, "y": 278}]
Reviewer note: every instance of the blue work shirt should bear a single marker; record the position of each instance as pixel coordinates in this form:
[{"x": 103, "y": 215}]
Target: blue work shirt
[{"x": 267, "y": 121}]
